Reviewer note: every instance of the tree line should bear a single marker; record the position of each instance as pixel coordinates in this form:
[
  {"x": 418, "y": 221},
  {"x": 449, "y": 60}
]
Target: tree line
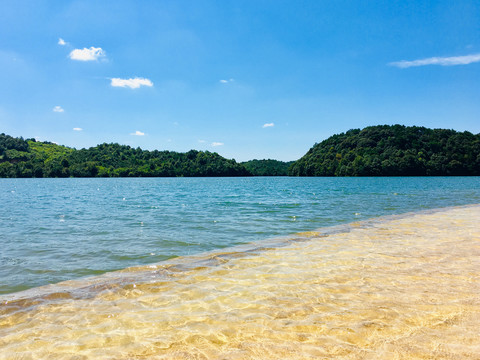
[
  {"x": 393, "y": 150},
  {"x": 29, "y": 158},
  {"x": 20, "y": 158},
  {"x": 384, "y": 150},
  {"x": 267, "y": 167}
]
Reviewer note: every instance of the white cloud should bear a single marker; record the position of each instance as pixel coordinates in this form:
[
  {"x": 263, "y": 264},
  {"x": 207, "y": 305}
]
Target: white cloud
[
  {"x": 61, "y": 42},
  {"x": 87, "y": 54},
  {"x": 442, "y": 61},
  {"x": 223, "y": 81},
  {"x": 58, "y": 109},
  {"x": 268, "y": 125},
  {"x": 217, "y": 144},
  {"x": 138, "y": 133},
  {"x": 131, "y": 83},
  {"x": 77, "y": 129},
  {"x": 202, "y": 141}
]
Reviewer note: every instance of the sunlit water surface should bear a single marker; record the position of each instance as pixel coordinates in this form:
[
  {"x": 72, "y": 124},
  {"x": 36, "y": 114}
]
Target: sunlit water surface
[
  {"x": 402, "y": 287},
  {"x": 53, "y": 230}
]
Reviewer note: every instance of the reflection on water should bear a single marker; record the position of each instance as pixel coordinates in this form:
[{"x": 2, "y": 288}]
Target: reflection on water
[{"x": 398, "y": 288}]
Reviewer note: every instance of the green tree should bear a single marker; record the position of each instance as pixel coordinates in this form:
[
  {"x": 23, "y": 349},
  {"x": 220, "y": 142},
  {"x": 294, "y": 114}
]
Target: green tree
[{"x": 395, "y": 150}]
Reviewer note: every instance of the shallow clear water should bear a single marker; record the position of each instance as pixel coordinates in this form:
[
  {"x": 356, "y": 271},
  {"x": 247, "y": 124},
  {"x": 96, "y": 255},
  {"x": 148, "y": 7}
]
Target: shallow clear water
[
  {"x": 59, "y": 229},
  {"x": 401, "y": 287}
]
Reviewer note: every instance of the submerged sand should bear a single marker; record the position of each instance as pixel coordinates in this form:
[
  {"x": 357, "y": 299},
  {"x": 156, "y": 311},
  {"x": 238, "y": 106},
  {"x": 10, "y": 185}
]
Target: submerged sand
[{"x": 402, "y": 287}]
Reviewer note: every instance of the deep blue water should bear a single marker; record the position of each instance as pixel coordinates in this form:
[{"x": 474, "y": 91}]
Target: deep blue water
[{"x": 58, "y": 229}]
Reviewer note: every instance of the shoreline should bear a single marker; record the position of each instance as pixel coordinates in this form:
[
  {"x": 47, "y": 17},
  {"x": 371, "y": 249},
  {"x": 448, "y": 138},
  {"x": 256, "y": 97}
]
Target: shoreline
[
  {"x": 182, "y": 263},
  {"x": 397, "y": 286}
]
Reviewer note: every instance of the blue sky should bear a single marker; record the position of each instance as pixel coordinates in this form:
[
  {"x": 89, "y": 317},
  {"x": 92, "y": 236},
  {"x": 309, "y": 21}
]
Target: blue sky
[{"x": 247, "y": 79}]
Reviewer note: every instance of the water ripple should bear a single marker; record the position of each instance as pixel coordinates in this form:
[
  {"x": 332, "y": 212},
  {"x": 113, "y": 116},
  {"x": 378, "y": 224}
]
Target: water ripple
[{"x": 68, "y": 227}]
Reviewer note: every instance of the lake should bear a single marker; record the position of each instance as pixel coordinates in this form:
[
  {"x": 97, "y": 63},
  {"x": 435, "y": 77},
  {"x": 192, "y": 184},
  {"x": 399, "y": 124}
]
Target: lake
[{"x": 59, "y": 229}]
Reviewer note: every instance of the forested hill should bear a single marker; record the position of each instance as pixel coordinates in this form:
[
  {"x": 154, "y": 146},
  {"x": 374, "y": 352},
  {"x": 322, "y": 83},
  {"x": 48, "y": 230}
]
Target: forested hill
[
  {"x": 373, "y": 151},
  {"x": 392, "y": 151},
  {"x": 29, "y": 158},
  {"x": 267, "y": 167}
]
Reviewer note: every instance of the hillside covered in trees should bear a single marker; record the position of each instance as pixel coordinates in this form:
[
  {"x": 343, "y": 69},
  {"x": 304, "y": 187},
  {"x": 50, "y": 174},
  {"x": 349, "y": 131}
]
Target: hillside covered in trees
[
  {"x": 392, "y": 151},
  {"x": 382, "y": 150},
  {"x": 29, "y": 158},
  {"x": 267, "y": 167}
]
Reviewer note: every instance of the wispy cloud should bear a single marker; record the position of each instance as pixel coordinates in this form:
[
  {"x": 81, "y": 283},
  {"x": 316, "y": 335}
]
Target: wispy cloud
[
  {"x": 138, "y": 133},
  {"x": 77, "y": 129},
  {"x": 85, "y": 54},
  {"x": 134, "y": 83},
  {"x": 202, "y": 141},
  {"x": 214, "y": 144},
  {"x": 442, "y": 61},
  {"x": 224, "y": 81},
  {"x": 61, "y": 42},
  {"x": 58, "y": 109},
  {"x": 267, "y": 125}
]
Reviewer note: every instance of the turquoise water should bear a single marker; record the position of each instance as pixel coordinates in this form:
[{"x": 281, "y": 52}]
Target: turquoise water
[{"x": 58, "y": 229}]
